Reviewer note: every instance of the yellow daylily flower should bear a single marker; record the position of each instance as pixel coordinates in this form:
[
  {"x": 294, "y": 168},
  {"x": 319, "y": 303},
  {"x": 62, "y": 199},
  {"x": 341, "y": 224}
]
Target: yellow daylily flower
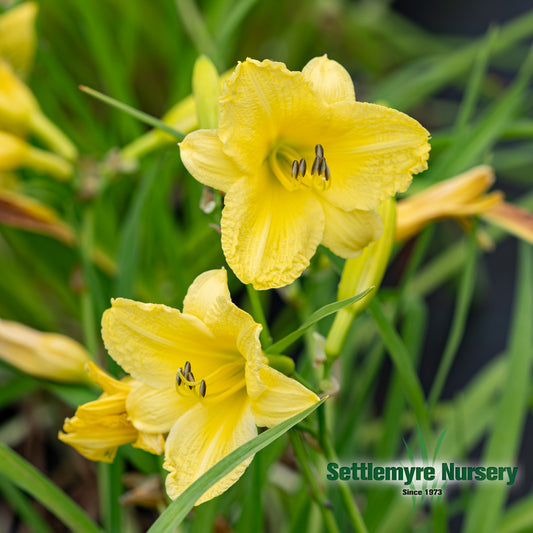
[
  {"x": 204, "y": 378},
  {"x": 98, "y": 428},
  {"x": 302, "y": 164},
  {"x": 457, "y": 197},
  {"x": 17, "y": 36},
  {"x": 44, "y": 355}
]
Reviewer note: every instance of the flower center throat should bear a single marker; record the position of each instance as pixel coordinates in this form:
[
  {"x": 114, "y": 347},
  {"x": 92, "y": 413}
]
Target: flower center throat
[{"x": 319, "y": 177}]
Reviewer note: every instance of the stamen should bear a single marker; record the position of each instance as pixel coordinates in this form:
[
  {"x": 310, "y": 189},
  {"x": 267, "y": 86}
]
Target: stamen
[
  {"x": 322, "y": 167},
  {"x": 302, "y": 167},
  {"x": 294, "y": 172},
  {"x": 178, "y": 377},
  {"x": 186, "y": 368},
  {"x": 190, "y": 379},
  {"x": 314, "y": 168},
  {"x": 319, "y": 151},
  {"x": 327, "y": 173},
  {"x": 202, "y": 388}
]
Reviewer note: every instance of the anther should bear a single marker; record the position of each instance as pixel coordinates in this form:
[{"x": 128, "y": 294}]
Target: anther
[
  {"x": 295, "y": 168},
  {"x": 202, "y": 388},
  {"x": 302, "y": 167},
  {"x": 319, "y": 151},
  {"x": 190, "y": 379},
  {"x": 327, "y": 173},
  {"x": 322, "y": 167},
  {"x": 314, "y": 168},
  {"x": 186, "y": 368},
  {"x": 178, "y": 377}
]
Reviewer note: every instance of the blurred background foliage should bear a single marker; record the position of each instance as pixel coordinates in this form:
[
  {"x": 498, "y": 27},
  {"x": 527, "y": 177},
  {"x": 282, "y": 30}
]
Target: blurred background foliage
[{"x": 472, "y": 92}]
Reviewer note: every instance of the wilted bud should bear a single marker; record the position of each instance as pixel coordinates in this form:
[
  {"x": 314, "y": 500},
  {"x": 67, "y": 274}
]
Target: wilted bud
[
  {"x": 22, "y": 212},
  {"x": 457, "y": 197},
  {"x": 512, "y": 219},
  {"x": 98, "y": 428},
  {"x": 20, "y": 113},
  {"x": 361, "y": 273},
  {"x": 43, "y": 355},
  {"x": 206, "y": 90},
  {"x": 16, "y": 153},
  {"x": 17, "y": 36}
]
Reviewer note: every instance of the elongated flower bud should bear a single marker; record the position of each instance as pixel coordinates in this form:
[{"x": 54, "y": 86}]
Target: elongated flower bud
[
  {"x": 206, "y": 90},
  {"x": 457, "y": 197},
  {"x": 43, "y": 355},
  {"x": 20, "y": 113},
  {"x": 16, "y": 153},
  {"x": 18, "y": 38},
  {"x": 359, "y": 274}
]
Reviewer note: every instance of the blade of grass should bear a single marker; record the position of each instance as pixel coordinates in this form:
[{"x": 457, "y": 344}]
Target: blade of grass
[
  {"x": 403, "y": 364},
  {"x": 503, "y": 444},
  {"x": 28, "y": 478},
  {"x": 468, "y": 147},
  {"x": 319, "y": 314},
  {"x": 473, "y": 88},
  {"x": 179, "y": 508},
  {"x": 130, "y": 239},
  {"x": 194, "y": 23},
  {"x": 464, "y": 299},
  {"x": 415, "y": 83},
  {"x": 24, "y": 509},
  {"x": 139, "y": 115}
]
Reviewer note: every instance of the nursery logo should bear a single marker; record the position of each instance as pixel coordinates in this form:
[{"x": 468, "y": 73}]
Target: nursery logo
[{"x": 422, "y": 477}]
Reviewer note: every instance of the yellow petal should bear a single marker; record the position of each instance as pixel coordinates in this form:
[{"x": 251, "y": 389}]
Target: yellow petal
[
  {"x": 204, "y": 291},
  {"x": 201, "y": 438},
  {"x": 372, "y": 152},
  {"x": 156, "y": 410},
  {"x": 330, "y": 80},
  {"x": 151, "y": 443},
  {"x": 97, "y": 442},
  {"x": 281, "y": 398},
  {"x": 347, "y": 233},
  {"x": 269, "y": 234},
  {"x": 202, "y": 155},
  {"x": 262, "y": 104},
  {"x": 108, "y": 384},
  {"x": 150, "y": 341}
]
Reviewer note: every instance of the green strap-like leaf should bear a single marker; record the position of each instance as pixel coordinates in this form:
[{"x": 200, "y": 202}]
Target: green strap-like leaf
[
  {"x": 179, "y": 508},
  {"x": 25, "y": 476},
  {"x": 319, "y": 314}
]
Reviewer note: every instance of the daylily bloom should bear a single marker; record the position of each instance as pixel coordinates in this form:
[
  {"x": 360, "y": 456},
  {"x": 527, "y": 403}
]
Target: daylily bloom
[
  {"x": 17, "y": 36},
  {"x": 204, "y": 378},
  {"x": 457, "y": 197},
  {"x": 44, "y": 355},
  {"x": 302, "y": 164},
  {"x": 98, "y": 428}
]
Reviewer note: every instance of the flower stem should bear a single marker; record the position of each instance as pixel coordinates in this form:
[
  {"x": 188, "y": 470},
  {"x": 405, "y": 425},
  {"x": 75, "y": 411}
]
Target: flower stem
[
  {"x": 52, "y": 136},
  {"x": 316, "y": 492},
  {"x": 259, "y": 315},
  {"x": 354, "y": 515}
]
